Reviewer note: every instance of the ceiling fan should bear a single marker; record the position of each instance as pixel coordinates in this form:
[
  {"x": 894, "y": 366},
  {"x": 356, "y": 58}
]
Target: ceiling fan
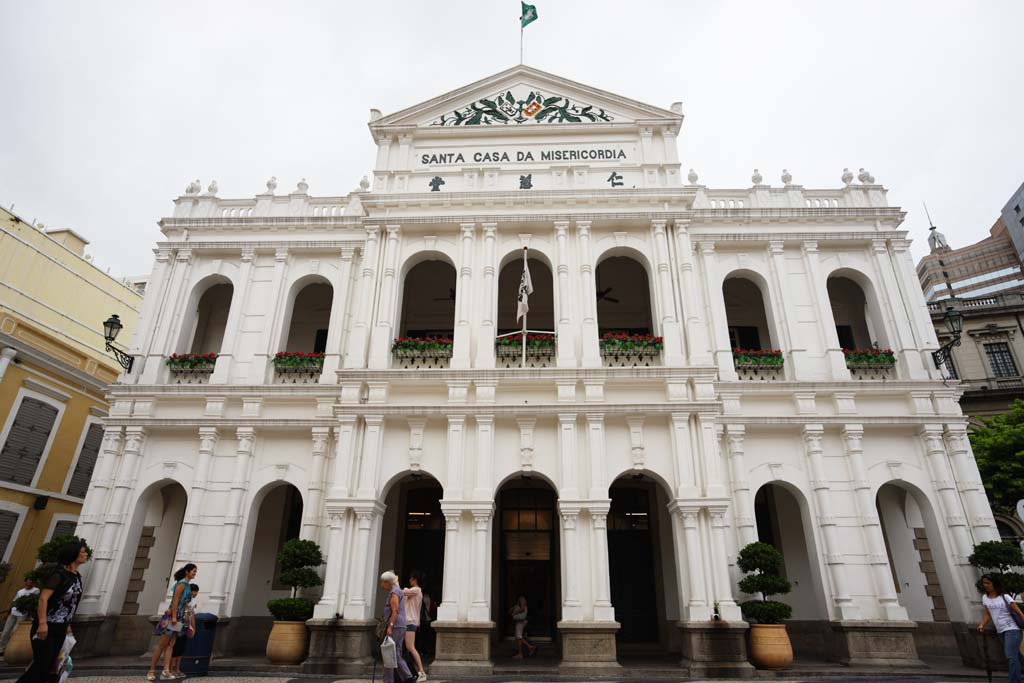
[
  {"x": 450, "y": 297},
  {"x": 602, "y": 295}
]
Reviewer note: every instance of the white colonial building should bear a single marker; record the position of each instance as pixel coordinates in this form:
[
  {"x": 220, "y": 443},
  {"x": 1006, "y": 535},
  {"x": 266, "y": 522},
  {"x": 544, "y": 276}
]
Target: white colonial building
[{"x": 611, "y": 483}]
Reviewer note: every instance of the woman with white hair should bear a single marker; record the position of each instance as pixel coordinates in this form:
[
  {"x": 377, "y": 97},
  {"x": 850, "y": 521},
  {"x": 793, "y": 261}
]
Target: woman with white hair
[{"x": 394, "y": 617}]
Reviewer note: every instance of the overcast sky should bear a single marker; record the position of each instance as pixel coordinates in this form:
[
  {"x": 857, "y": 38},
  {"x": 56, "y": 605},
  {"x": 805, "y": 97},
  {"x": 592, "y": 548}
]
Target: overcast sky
[{"x": 111, "y": 108}]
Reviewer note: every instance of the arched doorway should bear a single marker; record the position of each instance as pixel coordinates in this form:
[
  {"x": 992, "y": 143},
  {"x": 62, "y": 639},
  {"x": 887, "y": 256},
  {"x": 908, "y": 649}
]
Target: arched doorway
[
  {"x": 278, "y": 517},
  {"x": 858, "y": 326},
  {"x": 413, "y": 540},
  {"x": 623, "y": 296},
  {"x": 541, "y": 315},
  {"x": 428, "y": 300},
  {"x": 156, "y": 524},
  {"x": 916, "y": 556},
  {"x": 746, "y": 315},
  {"x": 527, "y": 552},
  {"x": 211, "y": 319},
  {"x": 309, "y": 318},
  {"x": 640, "y": 564}
]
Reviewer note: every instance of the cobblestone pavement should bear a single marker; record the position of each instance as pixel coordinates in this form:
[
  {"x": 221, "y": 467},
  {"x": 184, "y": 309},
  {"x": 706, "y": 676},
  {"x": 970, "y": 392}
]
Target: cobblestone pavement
[{"x": 250, "y": 678}]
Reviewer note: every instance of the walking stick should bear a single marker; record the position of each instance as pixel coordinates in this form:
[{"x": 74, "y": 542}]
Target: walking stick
[{"x": 984, "y": 649}]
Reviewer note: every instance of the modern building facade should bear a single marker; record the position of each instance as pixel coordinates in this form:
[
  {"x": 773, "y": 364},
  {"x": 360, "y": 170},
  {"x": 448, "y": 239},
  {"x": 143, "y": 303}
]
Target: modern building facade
[
  {"x": 53, "y": 377},
  {"x": 613, "y": 479},
  {"x": 984, "y": 269},
  {"x": 1013, "y": 217}
]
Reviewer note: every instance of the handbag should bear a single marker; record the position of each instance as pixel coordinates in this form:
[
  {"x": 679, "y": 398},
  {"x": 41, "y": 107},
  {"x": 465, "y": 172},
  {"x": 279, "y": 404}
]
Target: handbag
[
  {"x": 389, "y": 653},
  {"x": 380, "y": 629},
  {"x": 1017, "y": 618}
]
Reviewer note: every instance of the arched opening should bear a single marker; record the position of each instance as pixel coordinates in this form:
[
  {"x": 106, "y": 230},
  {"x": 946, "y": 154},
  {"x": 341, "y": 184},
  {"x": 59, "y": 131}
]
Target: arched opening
[
  {"x": 641, "y": 565},
  {"x": 156, "y": 526},
  {"x": 526, "y": 548},
  {"x": 211, "y": 318},
  {"x": 542, "y": 302},
  {"x": 310, "y": 318},
  {"x": 277, "y": 511},
  {"x": 916, "y": 556},
  {"x": 746, "y": 316},
  {"x": 783, "y": 520},
  {"x": 623, "y": 296},
  {"x": 413, "y": 540},
  {"x": 428, "y": 300},
  {"x": 856, "y": 326}
]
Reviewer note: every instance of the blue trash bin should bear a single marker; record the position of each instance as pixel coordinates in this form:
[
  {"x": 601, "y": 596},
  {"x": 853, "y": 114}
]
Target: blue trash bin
[{"x": 198, "y": 650}]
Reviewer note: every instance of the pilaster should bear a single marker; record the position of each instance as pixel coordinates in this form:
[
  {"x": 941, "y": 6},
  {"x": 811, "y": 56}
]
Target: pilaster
[
  {"x": 565, "y": 325},
  {"x": 589, "y": 329},
  {"x": 671, "y": 337},
  {"x": 355, "y": 354},
  {"x": 383, "y": 331},
  {"x": 487, "y": 330}
]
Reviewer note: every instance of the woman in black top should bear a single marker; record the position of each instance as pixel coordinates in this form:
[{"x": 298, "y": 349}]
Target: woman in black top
[{"x": 58, "y": 602}]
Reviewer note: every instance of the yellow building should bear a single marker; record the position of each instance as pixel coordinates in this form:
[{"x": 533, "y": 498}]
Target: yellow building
[{"x": 53, "y": 374}]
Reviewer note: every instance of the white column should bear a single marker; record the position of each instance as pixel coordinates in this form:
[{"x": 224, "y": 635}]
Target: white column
[
  {"x": 344, "y": 478},
  {"x": 96, "y": 499},
  {"x": 355, "y": 355},
  {"x": 591, "y": 346},
  {"x": 484, "y": 458},
  {"x": 239, "y": 305},
  {"x": 261, "y": 369},
  {"x": 7, "y": 354},
  {"x": 788, "y": 339},
  {"x": 487, "y": 305},
  {"x": 103, "y": 571},
  {"x": 329, "y": 602},
  {"x": 567, "y": 455},
  {"x": 683, "y": 466},
  {"x": 596, "y": 456},
  {"x": 149, "y": 320},
  {"x": 382, "y": 334},
  {"x": 845, "y": 607},
  {"x": 462, "y": 337},
  {"x": 871, "y": 525},
  {"x": 246, "y": 437},
  {"x": 369, "y": 458},
  {"x": 448, "y": 610},
  {"x": 359, "y": 604},
  {"x": 454, "y": 487},
  {"x": 969, "y": 482},
  {"x": 949, "y": 504},
  {"x": 893, "y": 309},
  {"x": 168, "y": 329},
  {"x": 714, "y": 304},
  {"x": 339, "y": 306},
  {"x": 727, "y": 607},
  {"x": 688, "y": 554},
  {"x": 818, "y": 289},
  {"x": 673, "y": 341},
  {"x": 603, "y": 609},
  {"x": 715, "y": 485},
  {"x": 697, "y": 343},
  {"x": 566, "y": 332},
  {"x": 571, "y": 608},
  {"x": 741, "y": 497},
  {"x": 195, "y": 508},
  {"x": 315, "y": 488},
  {"x": 480, "y": 609}
]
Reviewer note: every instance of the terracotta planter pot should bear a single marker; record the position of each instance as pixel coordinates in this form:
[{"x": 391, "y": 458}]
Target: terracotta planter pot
[
  {"x": 770, "y": 647},
  {"x": 287, "y": 642},
  {"x": 19, "y": 649}
]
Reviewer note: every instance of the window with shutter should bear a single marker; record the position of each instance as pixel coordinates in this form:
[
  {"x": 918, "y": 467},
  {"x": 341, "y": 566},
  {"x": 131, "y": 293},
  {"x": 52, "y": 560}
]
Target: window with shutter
[
  {"x": 8, "y": 520},
  {"x": 65, "y": 527},
  {"x": 26, "y": 441},
  {"x": 86, "y": 461}
]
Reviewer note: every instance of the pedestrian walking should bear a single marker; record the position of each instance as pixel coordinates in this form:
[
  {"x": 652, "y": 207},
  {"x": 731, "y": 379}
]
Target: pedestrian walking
[
  {"x": 58, "y": 601},
  {"x": 1007, "y": 617},
  {"x": 172, "y": 623},
  {"x": 189, "y": 619},
  {"x": 520, "y": 616},
  {"x": 16, "y": 614},
  {"x": 413, "y": 604},
  {"x": 394, "y": 617}
]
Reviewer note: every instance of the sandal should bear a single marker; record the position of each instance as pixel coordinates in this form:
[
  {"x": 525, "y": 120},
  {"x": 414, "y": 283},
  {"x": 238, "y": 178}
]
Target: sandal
[
  {"x": 151, "y": 676},
  {"x": 168, "y": 675}
]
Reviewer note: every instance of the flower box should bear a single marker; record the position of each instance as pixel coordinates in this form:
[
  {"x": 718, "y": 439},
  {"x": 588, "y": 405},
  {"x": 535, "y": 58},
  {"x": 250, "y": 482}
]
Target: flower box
[
  {"x": 191, "y": 362},
  {"x": 757, "y": 358},
  {"x": 869, "y": 359},
  {"x": 422, "y": 347},
  {"x": 537, "y": 346},
  {"x": 624, "y": 344},
  {"x": 298, "y": 362}
]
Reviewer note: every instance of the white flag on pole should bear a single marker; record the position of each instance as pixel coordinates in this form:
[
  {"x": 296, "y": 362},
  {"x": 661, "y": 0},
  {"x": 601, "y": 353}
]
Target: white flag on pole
[{"x": 525, "y": 290}]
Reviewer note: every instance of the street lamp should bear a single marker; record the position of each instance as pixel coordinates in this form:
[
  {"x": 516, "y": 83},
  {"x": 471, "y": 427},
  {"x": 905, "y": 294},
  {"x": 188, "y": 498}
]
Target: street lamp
[
  {"x": 955, "y": 324},
  {"x": 111, "y": 328}
]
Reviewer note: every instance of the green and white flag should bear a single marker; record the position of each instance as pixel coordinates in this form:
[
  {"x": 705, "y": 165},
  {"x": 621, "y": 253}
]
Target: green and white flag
[{"x": 529, "y": 15}]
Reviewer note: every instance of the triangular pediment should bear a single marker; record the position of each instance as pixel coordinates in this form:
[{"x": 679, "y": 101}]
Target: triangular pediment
[{"x": 524, "y": 96}]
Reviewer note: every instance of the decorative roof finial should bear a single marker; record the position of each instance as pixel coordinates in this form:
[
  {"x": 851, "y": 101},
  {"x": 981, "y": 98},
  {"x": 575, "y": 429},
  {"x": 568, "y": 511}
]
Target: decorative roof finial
[
  {"x": 787, "y": 179},
  {"x": 364, "y": 184},
  {"x": 302, "y": 186},
  {"x": 212, "y": 188},
  {"x": 757, "y": 177},
  {"x": 272, "y": 184},
  {"x": 847, "y": 177},
  {"x": 692, "y": 177}
]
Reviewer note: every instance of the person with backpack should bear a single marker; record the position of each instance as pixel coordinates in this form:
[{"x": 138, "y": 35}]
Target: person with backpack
[
  {"x": 172, "y": 623},
  {"x": 58, "y": 602},
  {"x": 187, "y": 633}
]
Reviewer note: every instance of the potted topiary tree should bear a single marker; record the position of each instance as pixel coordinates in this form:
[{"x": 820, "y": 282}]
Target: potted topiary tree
[
  {"x": 19, "y": 648},
  {"x": 769, "y": 642},
  {"x": 288, "y": 638}
]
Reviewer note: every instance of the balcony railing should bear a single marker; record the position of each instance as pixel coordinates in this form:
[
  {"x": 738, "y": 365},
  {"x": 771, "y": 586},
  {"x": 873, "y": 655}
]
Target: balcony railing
[
  {"x": 422, "y": 352},
  {"x": 540, "y": 351},
  {"x": 191, "y": 368},
  {"x": 759, "y": 364},
  {"x": 297, "y": 367}
]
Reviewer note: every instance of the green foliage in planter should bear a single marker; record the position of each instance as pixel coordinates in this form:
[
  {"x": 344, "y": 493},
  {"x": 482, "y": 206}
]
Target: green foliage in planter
[
  {"x": 884, "y": 357},
  {"x": 28, "y": 605},
  {"x": 761, "y": 562},
  {"x": 997, "y": 558},
  {"x": 297, "y": 359},
  {"x": 761, "y": 357},
  {"x": 291, "y": 609},
  {"x": 625, "y": 343},
  {"x": 191, "y": 360},
  {"x": 422, "y": 344},
  {"x": 533, "y": 341}
]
